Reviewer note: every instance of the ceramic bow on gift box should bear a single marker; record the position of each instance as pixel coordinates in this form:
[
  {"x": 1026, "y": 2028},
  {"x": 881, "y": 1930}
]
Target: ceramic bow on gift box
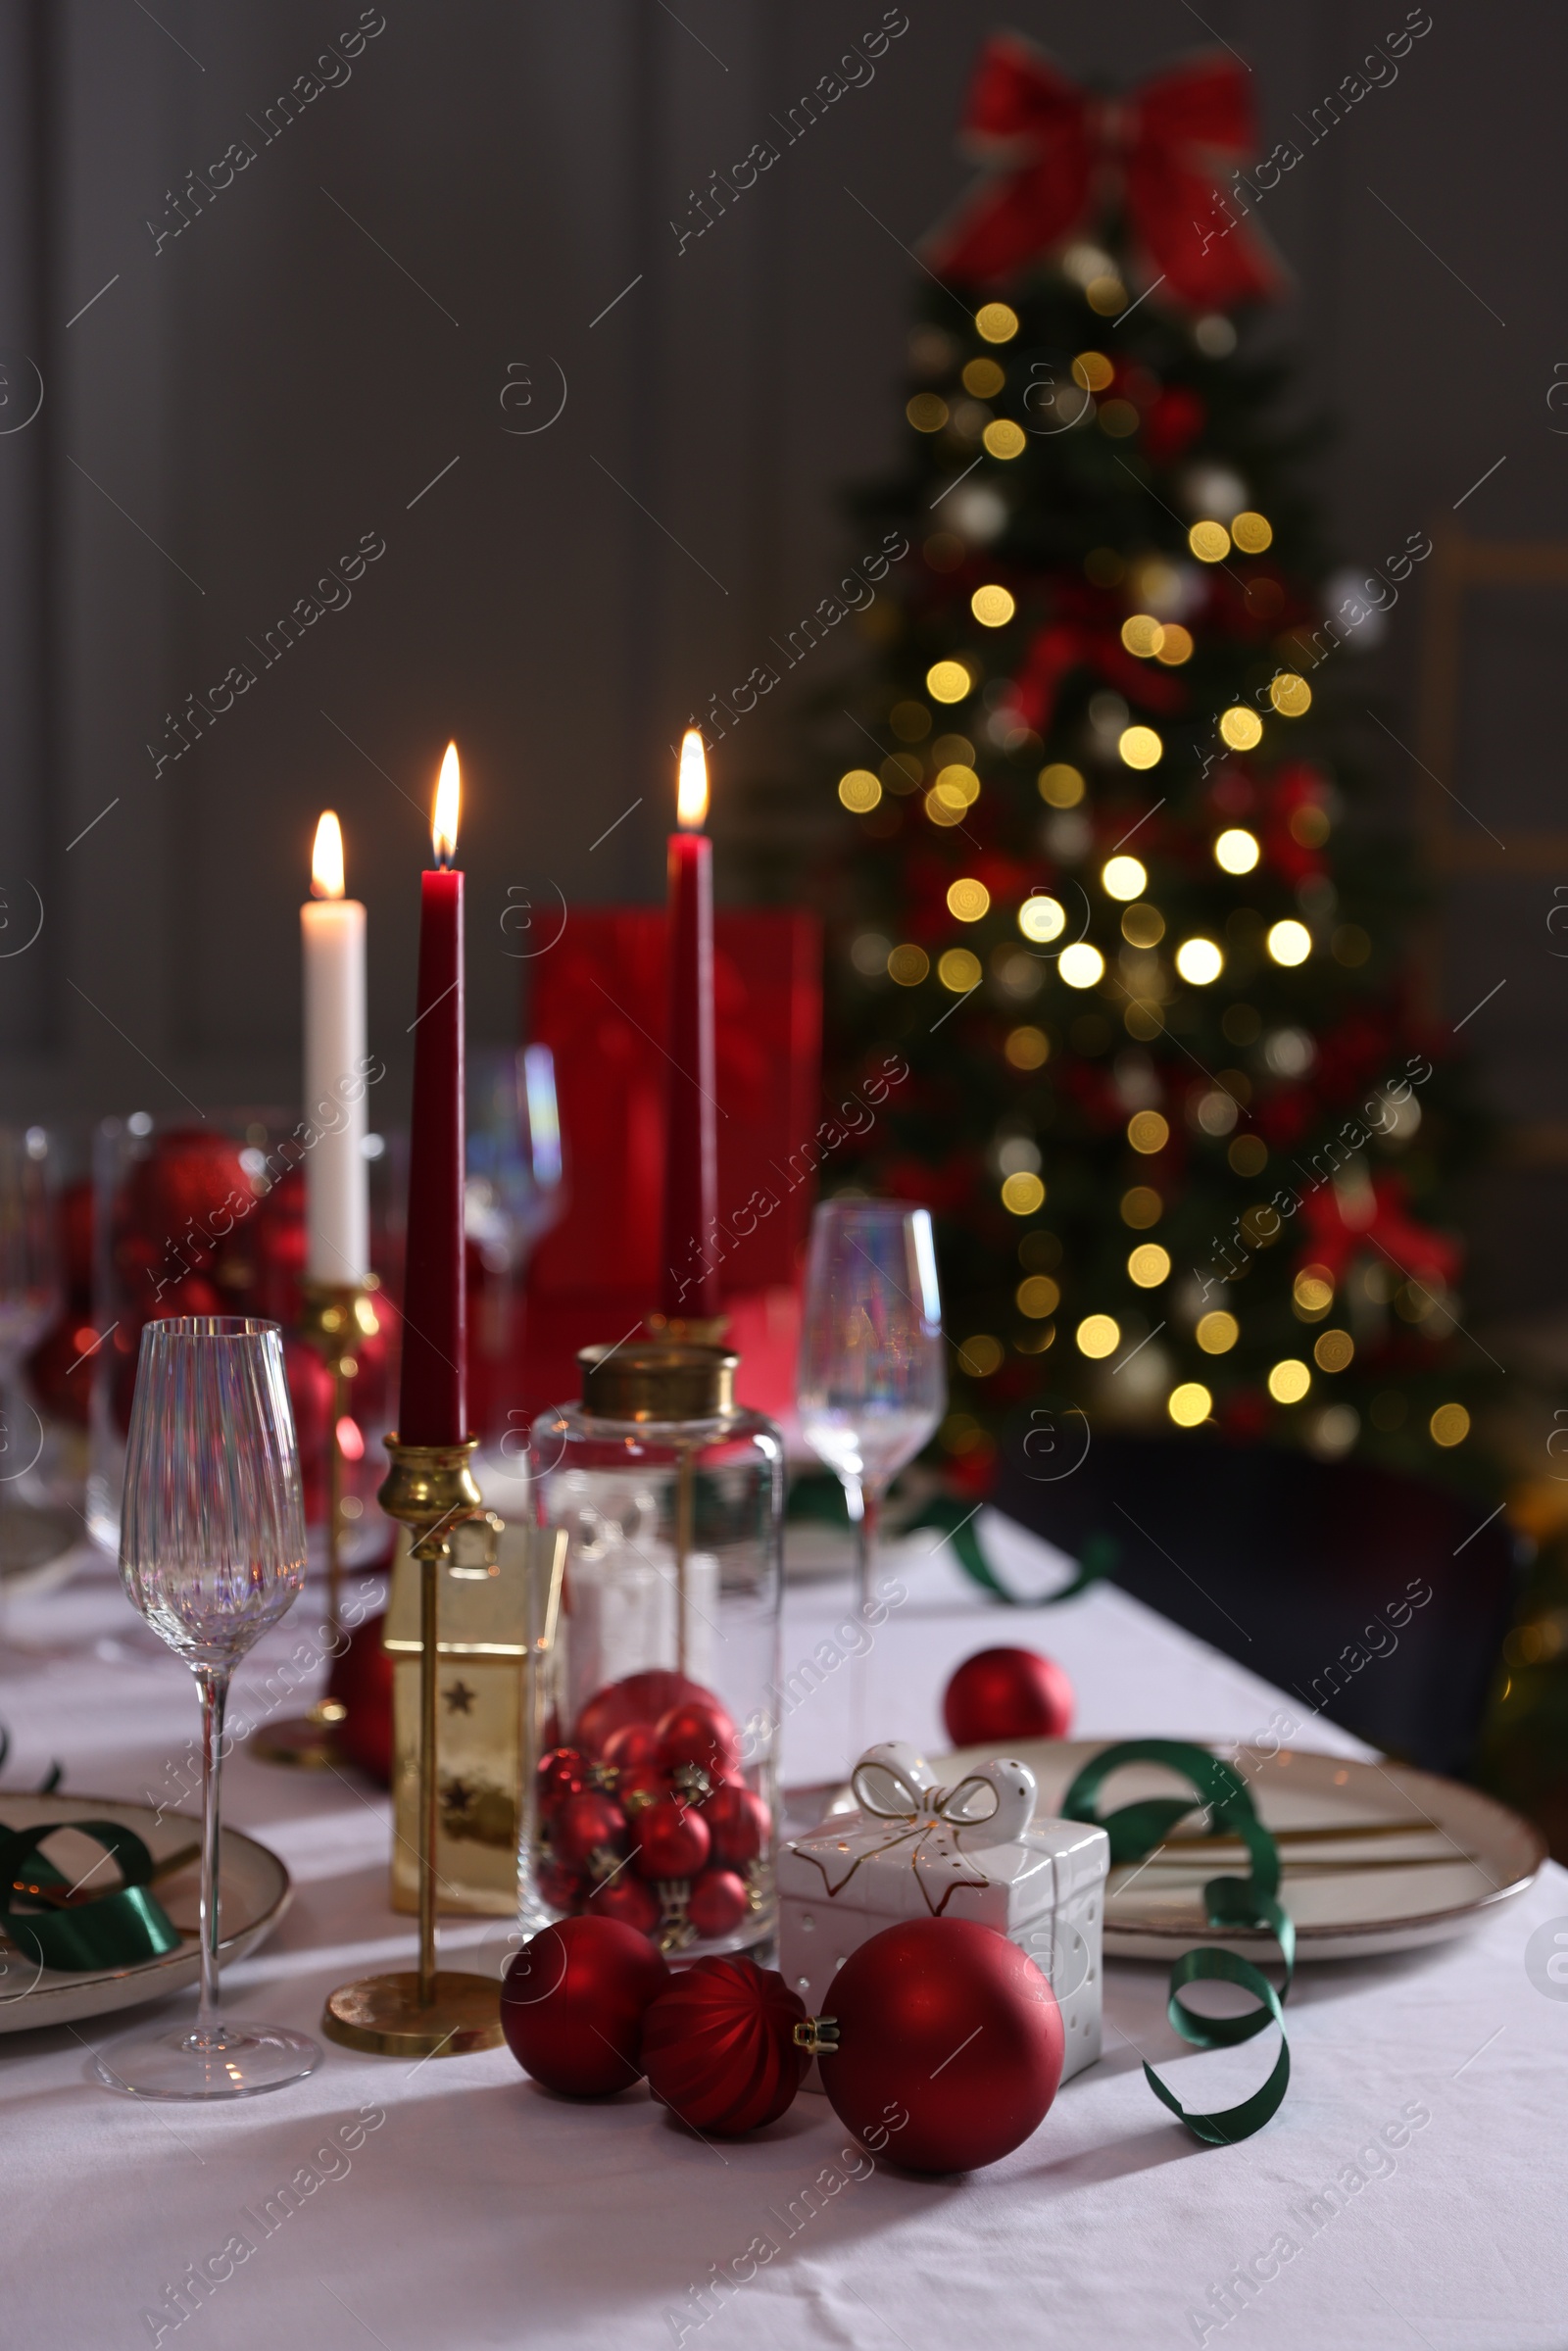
[{"x": 910, "y": 1848}]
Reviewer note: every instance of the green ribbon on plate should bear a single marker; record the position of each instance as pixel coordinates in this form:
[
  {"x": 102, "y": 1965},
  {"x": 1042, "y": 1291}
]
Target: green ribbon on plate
[
  {"x": 955, "y": 1520},
  {"x": 1249, "y": 1901},
  {"x": 116, "y": 1929}
]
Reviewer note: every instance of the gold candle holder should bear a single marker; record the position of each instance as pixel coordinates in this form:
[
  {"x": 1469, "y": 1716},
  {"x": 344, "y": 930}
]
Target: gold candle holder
[
  {"x": 336, "y": 1317},
  {"x": 431, "y": 2012}
]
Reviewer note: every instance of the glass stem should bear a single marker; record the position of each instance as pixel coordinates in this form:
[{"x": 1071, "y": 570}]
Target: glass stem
[
  {"x": 212, "y": 1684},
  {"x": 867, "y": 1526}
]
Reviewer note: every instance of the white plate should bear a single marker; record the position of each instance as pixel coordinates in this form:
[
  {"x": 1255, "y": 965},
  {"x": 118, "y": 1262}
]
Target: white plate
[
  {"x": 253, "y": 1891},
  {"x": 1463, "y": 1855}
]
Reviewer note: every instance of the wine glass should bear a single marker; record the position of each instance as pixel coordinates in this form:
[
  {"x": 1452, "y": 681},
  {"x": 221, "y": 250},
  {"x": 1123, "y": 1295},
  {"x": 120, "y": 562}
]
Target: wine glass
[
  {"x": 31, "y": 1296},
  {"x": 212, "y": 1551},
  {"x": 870, "y": 1386}
]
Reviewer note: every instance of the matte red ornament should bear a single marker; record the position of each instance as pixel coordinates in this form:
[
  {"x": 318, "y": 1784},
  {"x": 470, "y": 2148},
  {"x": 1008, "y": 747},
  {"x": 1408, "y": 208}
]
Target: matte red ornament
[
  {"x": 572, "y": 2004},
  {"x": 632, "y": 1747},
  {"x": 672, "y": 1840},
  {"x": 586, "y": 1827},
  {"x": 1006, "y": 1693},
  {"x": 739, "y": 1824},
  {"x": 719, "y": 2047},
  {"x": 950, "y": 2045},
  {"x": 640, "y": 1698},
  {"x": 563, "y": 1772},
  {"x": 631, "y": 1900},
  {"x": 717, "y": 1903},
  {"x": 703, "y": 1735}
]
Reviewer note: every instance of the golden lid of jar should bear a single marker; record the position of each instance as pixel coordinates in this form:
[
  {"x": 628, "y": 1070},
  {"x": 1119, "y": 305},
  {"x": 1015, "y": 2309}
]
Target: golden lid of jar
[{"x": 658, "y": 1380}]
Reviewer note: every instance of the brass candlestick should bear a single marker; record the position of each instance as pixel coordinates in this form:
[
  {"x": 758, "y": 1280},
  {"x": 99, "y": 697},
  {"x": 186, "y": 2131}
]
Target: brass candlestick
[
  {"x": 336, "y": 1317},
  {"x": 433, "y": 2012}
]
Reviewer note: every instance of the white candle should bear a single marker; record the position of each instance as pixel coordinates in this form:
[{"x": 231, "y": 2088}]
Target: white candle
[{"x": 336, "y": 1175}]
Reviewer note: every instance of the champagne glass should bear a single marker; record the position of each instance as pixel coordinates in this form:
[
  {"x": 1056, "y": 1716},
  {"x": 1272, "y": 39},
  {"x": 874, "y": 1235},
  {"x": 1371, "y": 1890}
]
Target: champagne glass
[
  {"x": 870, "y": 1386},
  {"x": 31, "y": 1296},
  {"x": 212, "y": 1551}
]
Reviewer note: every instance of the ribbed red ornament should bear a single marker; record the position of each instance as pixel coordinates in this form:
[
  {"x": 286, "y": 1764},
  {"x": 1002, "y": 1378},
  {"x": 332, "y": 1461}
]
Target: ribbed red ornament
[
  {"x": 1006, "y": 1693},
  {"x": 572, "y": 2003},
  {"x": 950, "y": 2045},
  {"x": 719, "y": 2047}
]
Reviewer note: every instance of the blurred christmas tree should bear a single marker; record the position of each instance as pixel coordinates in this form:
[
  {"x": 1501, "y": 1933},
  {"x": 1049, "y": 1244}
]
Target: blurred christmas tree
[{"x": 1105, "y": 889}]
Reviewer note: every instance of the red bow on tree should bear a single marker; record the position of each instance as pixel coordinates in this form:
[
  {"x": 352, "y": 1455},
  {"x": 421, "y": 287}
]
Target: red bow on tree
[
  {"x": 1337, "y": 1223},
  {"x": 1059, "y": 156}
]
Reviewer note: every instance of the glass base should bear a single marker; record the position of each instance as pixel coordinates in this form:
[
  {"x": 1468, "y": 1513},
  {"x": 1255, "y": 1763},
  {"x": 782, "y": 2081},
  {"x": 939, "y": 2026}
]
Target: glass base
[{"x": 235, "y": 2061}]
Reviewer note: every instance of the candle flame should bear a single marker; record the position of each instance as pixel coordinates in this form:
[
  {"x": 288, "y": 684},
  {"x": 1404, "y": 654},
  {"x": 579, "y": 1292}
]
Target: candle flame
[
  {"x": 326, "y": 858},
  {"x": 691, "y": 793},
  {"x": 444, "y": 824}
]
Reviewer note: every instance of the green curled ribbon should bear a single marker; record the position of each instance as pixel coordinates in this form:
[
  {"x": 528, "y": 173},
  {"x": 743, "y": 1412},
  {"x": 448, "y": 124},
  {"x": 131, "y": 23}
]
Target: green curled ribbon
[
  {"x": 1249, "y": 1901},
  {"x": 955, "y": 1521},
  {"x": 115, "y": 1929}
]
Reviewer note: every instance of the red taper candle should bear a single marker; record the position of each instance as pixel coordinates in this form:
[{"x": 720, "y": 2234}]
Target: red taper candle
[
  {"x": 690, "y": 1284},
  {"x": 432, "y": 1408}
]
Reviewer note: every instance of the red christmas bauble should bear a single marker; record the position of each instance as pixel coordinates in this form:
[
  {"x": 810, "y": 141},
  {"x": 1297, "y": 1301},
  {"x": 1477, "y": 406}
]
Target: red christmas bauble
[
  {"x": 631, "y": 1900},
  {"x": 585, "y": 1826},
  {"x": 640, "y": 1698},
  {"x": 717, "y": 1903},
  {"x": 703, "y": 1735},
  {"x": 572, "y": 2003},
  {"x": 718, "y": 2046},
  {"x": 632, "y": 1747},
  {"x": 672, "y": 1840},
  {"x": 638, "y": 1785},
  {"x": 739, "y": 1824},
  {"x": 1006, "y": 1693},
  {"x": 563, "y": 1772},
  {"x": 362, "y": 1681},
  {"x": 950, "y": 2045},
  {"x": 561, "y": 1888}
]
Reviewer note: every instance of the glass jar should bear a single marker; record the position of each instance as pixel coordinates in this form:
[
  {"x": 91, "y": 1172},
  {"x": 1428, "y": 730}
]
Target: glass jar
[{"x": 653, "y": 1795}]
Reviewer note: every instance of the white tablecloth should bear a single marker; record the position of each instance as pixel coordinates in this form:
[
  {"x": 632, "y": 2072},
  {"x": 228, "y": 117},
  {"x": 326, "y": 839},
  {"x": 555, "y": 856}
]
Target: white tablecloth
[{"x": 470, "y": 2209}]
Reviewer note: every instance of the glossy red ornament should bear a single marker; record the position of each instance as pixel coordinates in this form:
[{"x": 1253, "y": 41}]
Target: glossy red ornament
[
  {"x": 672, "y": 1839},
  {"x": 639, "y": 1785},
  {"x": 586, "y": 1827},
  {"x": 572, "y": 2004},
  {"x": 739, "y": 1824},
  {"x": 950, "y": 2045},
  {"x": 564, "y": 1772},
  {"x": 702, "y": 1735},
  {"x": 640, "y": 1698},
  {"x": 719, "y": 2047},
  {"x": 361, "y": 1679},
  {"x": 629, "y": 1899},
  {"x": 630, "y": 1749},
  {"x": 1006, "y": 1693},
  {"x": 717, "y": 1903}
]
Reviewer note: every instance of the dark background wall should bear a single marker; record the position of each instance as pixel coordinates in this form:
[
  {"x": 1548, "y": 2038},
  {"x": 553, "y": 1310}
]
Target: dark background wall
[{"x": 322, "y": 352}]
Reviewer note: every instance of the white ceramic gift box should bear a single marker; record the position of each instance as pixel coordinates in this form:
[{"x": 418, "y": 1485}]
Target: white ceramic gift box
[{"x": 912, "y": 1849}]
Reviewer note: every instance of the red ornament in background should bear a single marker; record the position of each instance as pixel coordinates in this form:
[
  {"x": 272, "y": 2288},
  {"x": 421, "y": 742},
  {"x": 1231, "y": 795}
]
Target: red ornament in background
[
  {"x": 573, "y": 2001},
  {"x": 717, "y": 1903},
  {"x": 950, "y": 2026},
  {"x": 563, "y": 1772},
  {"x": 1006, "y": 1693},
  {"x": 633, "y": 1747},
  {"x": 588, "y": 1827},
  {"x": 672, "y": 1840},
  {"x": 718, "y": 2046},
  {"x": 699, "y": 1734},
  {"x": 641, "y": 1698},
  {"x": 631, "y": 1900},
  {"x": 738, "y": 1823},
  {"x": 362, "y": 1681}
]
